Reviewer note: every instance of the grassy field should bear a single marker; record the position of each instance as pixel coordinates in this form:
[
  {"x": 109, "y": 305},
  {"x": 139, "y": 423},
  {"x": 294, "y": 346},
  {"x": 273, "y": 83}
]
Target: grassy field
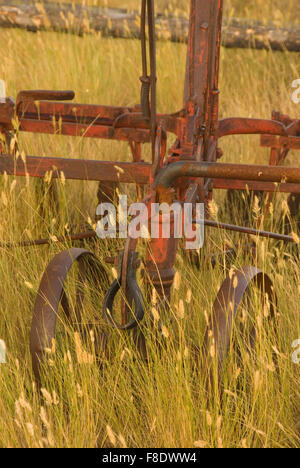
[{"x": 164, "y": 403}]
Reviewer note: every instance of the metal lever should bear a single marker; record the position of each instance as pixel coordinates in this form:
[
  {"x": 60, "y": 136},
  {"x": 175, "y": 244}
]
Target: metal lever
[
  {"x": 149, "y": 80},
  {"x": 145, "y": 97},
  {"x": 133, "y": 291},
  {"x": 44, "y": 95}
]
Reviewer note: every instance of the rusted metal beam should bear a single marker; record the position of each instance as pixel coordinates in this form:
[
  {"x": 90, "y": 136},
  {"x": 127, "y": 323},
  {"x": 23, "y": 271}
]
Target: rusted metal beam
[
  {"x": 76, "y": 169},
  {"x": 245, "y": 126},
  {"x": 245, "y": 172},
  {"x": 71, "y": 110},
  {"x": 272, "y": 187},
  {"x": 291, "y": 142},
  {"x": 81, "y": 130}
]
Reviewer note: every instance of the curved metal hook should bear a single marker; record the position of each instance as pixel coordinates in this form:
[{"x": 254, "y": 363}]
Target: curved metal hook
[{"x": 133, "y": 291}]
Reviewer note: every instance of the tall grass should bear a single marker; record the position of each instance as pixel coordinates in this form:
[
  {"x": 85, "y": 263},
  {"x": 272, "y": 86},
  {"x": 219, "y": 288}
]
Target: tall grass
[{"x": 127, "y": 402}]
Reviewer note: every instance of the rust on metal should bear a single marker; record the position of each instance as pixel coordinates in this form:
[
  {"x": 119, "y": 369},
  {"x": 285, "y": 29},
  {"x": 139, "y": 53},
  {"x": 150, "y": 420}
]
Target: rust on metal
[
  {"x": 233, "y": 291},
  {"x": 50, "y": 295},
  {"x": 76, "y": 169}
]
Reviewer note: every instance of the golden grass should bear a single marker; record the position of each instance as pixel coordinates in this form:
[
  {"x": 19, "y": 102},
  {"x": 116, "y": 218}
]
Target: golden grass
[{"x": 163, "y": 403}]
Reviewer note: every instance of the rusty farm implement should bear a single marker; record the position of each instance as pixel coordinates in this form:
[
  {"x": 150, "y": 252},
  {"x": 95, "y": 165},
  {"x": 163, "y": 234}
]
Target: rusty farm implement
[{"x": 187, "y": 173}]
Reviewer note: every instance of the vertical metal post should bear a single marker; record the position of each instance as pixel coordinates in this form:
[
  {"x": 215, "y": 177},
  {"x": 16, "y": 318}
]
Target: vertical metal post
[{"x": 201, "y": 85}]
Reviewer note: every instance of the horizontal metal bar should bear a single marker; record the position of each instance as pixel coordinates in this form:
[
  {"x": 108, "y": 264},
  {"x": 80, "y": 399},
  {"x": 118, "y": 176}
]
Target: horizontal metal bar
[
  {"x": 73, "y": 109},
  {"x": 246, "y": 230},
  {"x": 271, "y": 141},
  {"x": 44, "y": 94},
  {"x": 92, "y": 234},
  {"x": 48, "y": 241},
  {"x": 76, "y": 169},
  {"x": 84, "y": 130},
  {"x": 272, "y": 187},
  {"x": 248, "y": 126},
  {"x": 168, "y": 175}
]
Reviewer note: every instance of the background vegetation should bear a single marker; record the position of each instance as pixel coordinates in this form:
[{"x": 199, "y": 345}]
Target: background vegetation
[{"x": 277, "y": 10}]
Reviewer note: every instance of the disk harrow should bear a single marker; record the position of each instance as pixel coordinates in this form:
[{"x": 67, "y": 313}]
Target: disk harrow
[{"x": 188, "y": 172}]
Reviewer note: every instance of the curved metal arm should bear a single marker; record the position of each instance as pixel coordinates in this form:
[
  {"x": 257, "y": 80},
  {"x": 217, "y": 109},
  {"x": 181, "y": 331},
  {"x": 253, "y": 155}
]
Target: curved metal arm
[{"x": 169, "y": 174}]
